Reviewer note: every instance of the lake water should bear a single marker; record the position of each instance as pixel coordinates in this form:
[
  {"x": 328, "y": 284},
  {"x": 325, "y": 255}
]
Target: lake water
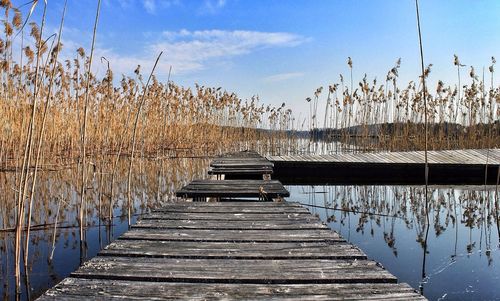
[
  {"x": 387, "y": 222},
  {"x": 462, "y": 260}
]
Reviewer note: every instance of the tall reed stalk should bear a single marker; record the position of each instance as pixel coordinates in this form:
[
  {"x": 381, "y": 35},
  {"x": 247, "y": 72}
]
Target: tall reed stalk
[
  {"x": 134, "y": 136},
  {"x": 55, "y": 55},
  {"x": 424, "y": 96},
  {"x": 84, "y": 129},
  {"x": 26, "y": 166}
]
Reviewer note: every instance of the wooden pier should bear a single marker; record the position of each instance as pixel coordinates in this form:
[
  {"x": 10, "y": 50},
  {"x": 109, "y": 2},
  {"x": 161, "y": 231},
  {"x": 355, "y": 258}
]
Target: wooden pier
[
  {"x": 231, "y": 250},
  {"x": 454, "y": 167}
]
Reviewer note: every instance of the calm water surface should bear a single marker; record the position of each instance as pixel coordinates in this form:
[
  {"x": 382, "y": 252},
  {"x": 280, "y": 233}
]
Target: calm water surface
[
  {"x": 57, "y": 199},
  {"x": 462, "y": 255}
]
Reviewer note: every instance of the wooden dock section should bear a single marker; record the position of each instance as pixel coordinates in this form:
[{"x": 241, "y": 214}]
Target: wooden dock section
[
  {"x": 263, "y": 189},
  {"x": 239, "y": 250},
  {"x": 460, "y": 167},
  {"x": 241, "y": 165},
  {"x": 232, "y": 250}
]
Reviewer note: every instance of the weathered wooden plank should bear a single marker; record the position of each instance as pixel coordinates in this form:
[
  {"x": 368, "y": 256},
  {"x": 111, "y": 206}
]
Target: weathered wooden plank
[
  {"x": 235, "y": 204},
  {"x": 435, "y": 158},
  {"x": 232, "y": 250},
  {"x": 228, "y": 209},
  {"x": 229, "y": 225},
  {"x": 97, "y": 289},
  {"x": 493, "y": 155},
  {"x": 465, "y": 156},
  {"x": 236, "y": 161},
  {"x": 233, "y": 188},
  {"x": 230, "y": 216},
  {"x": 241, "y": 166},
  {"x": 234, "y": 270},
  {"x": 480, "y": 155},
  {"x": 276, "y": 235},
  {"x": 399, "y": 158},
  {"x": 242, "y": 183},
  {"x": 248, "y": 171}
]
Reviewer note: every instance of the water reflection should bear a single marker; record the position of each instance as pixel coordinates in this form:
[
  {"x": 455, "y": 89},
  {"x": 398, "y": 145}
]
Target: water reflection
[
  {"x": 55, "y": 246},
  {"x": 452, "y": 256}
]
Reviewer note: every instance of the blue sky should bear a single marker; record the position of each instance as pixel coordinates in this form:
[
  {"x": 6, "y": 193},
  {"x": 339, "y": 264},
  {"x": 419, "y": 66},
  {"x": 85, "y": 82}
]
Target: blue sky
[{"x": 282, "y": 50}]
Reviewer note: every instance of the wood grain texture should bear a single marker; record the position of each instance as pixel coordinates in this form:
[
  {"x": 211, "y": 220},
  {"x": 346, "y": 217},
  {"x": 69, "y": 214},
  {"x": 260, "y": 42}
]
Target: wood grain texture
[
  {"x": 289, "y": 224},
  {"x": 263, "y": 236},
  {"x": 233, "y": 210},
  {"x": 97, "y": 289},
  {"x": 234, "y": 270},
  {"x": 229, "y": 216},
  {"x": 233, "y": 188},
  {"x": 233, "y": 250}
]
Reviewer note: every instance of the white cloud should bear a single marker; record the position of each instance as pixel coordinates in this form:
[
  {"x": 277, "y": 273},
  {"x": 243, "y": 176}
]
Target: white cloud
[
  {"x": 200, "y": 45},
  {"x": 282, "y": 77},
  {"x": 212, "y": 6},
  {"x": 186, "y": 51},
  {"x": 150, "y": 6},
  {"x": 192, "y": 50}
]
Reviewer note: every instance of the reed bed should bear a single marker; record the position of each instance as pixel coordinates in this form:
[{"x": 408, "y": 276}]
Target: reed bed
[
  {"x": 58, "y": 114},
  {"x": 391, "y": 116}
]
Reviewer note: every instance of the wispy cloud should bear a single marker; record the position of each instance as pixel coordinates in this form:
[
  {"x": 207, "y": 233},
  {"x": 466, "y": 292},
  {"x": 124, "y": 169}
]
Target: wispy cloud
[
  {"x": 282, "y": 77},
  {"x": 150, "y": 6},
  {"x": 212, "y": 6},
  {"x": 122, "y": 3},
  {"x": 190, "y": 51}
]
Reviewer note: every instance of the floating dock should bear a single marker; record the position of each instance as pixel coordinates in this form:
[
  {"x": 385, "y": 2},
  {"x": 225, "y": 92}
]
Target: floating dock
[{"x": 453, "y": 167}]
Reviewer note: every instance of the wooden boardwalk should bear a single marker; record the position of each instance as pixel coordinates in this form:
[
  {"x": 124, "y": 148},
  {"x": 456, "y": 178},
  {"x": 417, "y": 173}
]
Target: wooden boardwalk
[
  {"x": 232, "y": 250},
  {"x": 451, "y": 157},
  {"x": 239, "y": 250},
  {"x": 460, "y": 167}
]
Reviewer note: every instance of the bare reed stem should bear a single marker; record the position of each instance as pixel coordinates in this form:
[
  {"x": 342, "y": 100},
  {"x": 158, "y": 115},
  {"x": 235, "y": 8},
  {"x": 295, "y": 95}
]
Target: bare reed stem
[
  {"x": 134, "y": 135},
  {"x": 84, "y": 130}
]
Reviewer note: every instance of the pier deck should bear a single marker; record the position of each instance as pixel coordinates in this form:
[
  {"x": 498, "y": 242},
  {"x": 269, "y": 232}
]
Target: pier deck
[
  {"x": 240, "y": 250},
  {"x": 460, "y": 167}
]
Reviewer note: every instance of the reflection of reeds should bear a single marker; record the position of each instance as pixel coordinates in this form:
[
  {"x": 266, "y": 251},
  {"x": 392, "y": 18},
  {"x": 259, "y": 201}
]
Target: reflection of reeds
[{"x": 449, "y": 210}]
